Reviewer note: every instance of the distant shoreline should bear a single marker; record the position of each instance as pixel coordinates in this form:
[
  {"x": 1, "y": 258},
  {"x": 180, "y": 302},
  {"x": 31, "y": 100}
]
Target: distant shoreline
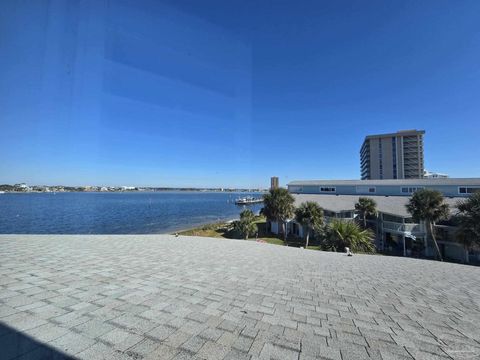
[{"x": 131, "y": 192}]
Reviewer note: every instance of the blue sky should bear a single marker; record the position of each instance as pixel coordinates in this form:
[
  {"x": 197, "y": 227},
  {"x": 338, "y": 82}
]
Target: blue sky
[{"x": 229, "y": 93}]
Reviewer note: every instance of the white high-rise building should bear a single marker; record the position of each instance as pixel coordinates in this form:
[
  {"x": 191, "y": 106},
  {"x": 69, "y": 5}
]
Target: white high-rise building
[{"x": 392, "y": 156}]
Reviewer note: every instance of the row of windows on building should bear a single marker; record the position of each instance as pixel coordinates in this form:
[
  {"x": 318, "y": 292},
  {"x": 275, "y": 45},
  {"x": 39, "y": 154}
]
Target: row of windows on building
[
  {"x": 403, "y": 190},
  {"x": 380, "y": 158},
  {"x": 394, "y": 156},
  {"x": 411, "y": 190},
  {"x": 468, "y": 190},
  {"x": 328, "y": 189},
  {"x": 372, "y": 190}
]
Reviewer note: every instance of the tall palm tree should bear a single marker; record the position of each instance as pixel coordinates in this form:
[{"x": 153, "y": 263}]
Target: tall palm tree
[
  {"x": 278, "y": 206},
  {"x": 340, "y": 234},
  {"x": 310, "y": 215},
  {"x": 469, "y": 222},
  {"x": 366, "y": 207},
  {"x": 428, "y": 206}
]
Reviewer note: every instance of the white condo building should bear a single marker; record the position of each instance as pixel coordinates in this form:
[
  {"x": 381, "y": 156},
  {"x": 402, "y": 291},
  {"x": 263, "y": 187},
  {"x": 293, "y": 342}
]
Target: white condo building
[{"x": 395, "y": 230}]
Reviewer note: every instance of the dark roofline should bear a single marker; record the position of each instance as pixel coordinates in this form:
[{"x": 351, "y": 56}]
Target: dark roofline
[{"x": 398, "y": 133}]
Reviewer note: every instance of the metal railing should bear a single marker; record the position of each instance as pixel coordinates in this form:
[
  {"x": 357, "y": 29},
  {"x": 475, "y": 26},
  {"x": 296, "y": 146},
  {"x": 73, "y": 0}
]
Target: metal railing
[
  {"x": 399, "y": 227},
  {"x": 329, "y": 219}
]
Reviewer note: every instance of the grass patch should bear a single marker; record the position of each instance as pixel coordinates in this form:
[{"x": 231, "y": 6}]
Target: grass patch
[
  {"x": 225, "y": 230},
  {"x": 273, "y": 240},
  {"x": 217, "y": 230}
]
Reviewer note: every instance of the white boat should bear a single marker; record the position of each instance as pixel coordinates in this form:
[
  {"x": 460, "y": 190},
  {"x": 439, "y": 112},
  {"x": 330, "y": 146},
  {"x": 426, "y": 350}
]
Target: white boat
[{"x": 248, "y": 200}]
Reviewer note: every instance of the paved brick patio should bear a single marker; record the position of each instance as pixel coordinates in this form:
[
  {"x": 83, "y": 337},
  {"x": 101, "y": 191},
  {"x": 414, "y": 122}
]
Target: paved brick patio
[{"x": 161, "y": 297}]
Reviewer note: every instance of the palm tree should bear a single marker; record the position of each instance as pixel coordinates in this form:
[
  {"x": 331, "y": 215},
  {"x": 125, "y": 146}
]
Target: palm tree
[
  {"x": 310, "y": 215},
  {"x": 428, "y": 206},
  {"x": 340, "y": 234},
  {"x": 246, "y": 225},
  {"x": 466, "y": 241},
  {"x": 366, "y": 207},
  {"x": 469, "y": 222},
  {"x": 278, "y": 206}
]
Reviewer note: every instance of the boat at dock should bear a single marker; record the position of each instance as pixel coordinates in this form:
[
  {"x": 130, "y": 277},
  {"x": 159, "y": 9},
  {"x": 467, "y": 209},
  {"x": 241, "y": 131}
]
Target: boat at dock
[{"x": 248, "y": 200}]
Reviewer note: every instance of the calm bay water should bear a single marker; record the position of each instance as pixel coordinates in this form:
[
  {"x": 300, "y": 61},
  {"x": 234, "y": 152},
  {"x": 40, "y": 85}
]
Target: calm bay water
[{"x": 115, "y": 213}]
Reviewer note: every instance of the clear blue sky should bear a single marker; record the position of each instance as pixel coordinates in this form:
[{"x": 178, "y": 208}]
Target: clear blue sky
[{"x": 229, "y": 93}]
